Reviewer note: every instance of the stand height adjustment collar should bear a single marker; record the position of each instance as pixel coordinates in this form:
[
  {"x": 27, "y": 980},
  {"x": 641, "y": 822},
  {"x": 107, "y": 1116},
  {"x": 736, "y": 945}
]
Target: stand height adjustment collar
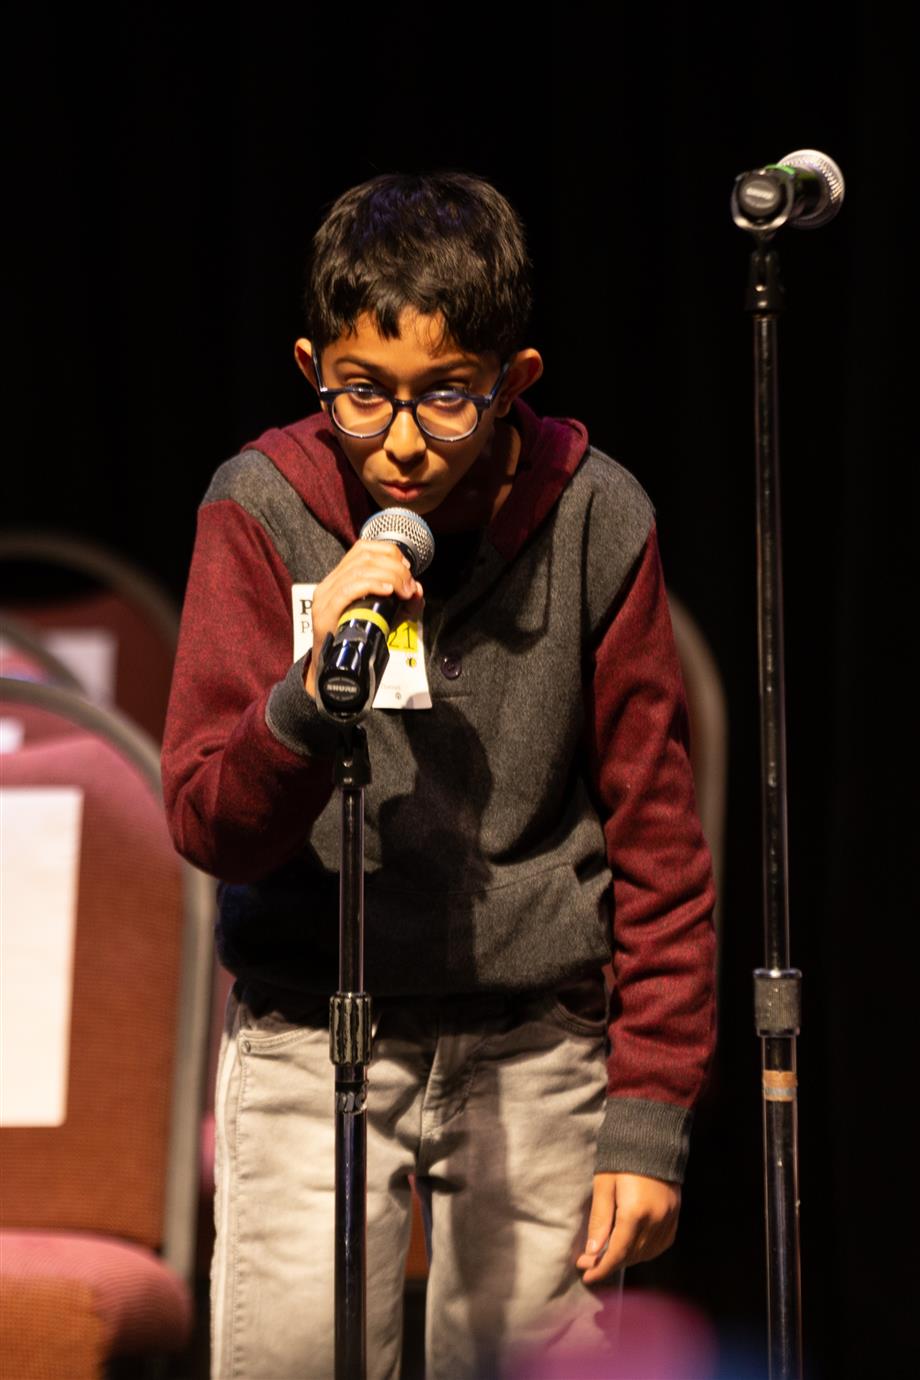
[
  {"x": 350, "y": 1028},
  {"x": 777, "y": 1001}
]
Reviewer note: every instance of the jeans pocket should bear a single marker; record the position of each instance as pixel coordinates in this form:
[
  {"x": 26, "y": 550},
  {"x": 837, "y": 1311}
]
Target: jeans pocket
[{"x": 278, "y": 1028}]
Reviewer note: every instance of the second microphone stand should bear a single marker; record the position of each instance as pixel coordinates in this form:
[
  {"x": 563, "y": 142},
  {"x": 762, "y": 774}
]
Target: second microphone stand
[{"x": 777, "y": 985}]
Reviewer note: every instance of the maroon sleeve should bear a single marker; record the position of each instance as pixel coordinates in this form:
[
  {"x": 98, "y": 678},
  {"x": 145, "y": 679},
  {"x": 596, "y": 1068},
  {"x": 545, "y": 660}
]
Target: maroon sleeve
[
  {"x": 242, "y": 785},
  {"x": 663, "y": 1004}
]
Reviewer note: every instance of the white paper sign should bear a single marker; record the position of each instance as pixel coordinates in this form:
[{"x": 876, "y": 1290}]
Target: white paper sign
[
  {"x": 91, "y": 654},
  {"x": 12, "y": 734},
  {"x": 404, "y": 684},
  {"x": 39, "y": 862}
]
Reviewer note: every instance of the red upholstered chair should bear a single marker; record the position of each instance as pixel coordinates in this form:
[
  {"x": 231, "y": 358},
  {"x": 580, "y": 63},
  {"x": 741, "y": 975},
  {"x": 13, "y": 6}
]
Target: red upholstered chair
[
  {"x": 24, "y": 656},
  {"x": 55, "y": 583},
  {"x": 98, "y": 1202}
]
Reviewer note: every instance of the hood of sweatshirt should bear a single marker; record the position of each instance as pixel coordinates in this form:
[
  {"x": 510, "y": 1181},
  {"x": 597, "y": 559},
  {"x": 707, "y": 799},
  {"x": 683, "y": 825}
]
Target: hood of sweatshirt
[{"x": 309, "y": 457}]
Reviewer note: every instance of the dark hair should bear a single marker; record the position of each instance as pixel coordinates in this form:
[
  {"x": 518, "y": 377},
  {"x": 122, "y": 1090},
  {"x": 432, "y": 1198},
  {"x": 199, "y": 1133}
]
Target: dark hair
[{"x": 436, "y": 242}]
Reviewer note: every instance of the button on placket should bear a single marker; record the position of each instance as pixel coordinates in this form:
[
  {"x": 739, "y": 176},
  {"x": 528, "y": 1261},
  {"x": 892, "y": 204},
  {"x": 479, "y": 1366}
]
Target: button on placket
[{"x": 451, "y": 665}]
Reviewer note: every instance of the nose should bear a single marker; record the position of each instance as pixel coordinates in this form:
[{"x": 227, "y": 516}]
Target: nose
[{"x": 404, "y": 443}]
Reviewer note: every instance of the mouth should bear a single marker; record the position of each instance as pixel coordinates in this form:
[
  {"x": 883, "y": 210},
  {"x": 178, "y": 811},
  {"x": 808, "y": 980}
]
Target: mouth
[{"x": 407, "y": 492}]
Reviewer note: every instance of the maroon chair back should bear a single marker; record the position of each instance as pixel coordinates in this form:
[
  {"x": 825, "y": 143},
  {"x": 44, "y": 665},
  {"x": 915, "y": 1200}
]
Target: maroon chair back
[
  {"x": 121, "y": 601},
  {"x": 105, "y": 1169}
]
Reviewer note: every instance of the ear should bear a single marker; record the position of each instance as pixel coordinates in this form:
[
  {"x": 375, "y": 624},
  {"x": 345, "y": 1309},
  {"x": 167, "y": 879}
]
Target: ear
[
  {"x": 525, "y": 368},
  {"x": 303, "y": 353}
]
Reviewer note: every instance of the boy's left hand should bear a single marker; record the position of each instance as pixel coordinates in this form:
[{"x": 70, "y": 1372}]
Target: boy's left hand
[{"x": 636, "y": 1215}]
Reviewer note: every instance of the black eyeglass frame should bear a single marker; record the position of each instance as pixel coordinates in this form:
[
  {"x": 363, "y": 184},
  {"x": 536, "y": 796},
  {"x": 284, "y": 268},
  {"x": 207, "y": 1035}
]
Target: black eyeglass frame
[{"x": 481, "y": 401}]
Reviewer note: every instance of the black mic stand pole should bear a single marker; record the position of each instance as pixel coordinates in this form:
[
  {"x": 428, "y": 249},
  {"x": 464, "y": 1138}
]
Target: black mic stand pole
[
  {"x": 350, "y": 1051},
  {"x": 351, "y": 666},
  {"x": 805, "y": 188},
  {"x": 777, "y": 985}
]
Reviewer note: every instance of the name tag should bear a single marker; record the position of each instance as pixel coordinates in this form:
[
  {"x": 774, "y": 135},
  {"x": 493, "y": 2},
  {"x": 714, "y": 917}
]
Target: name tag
[{"x": 404, "y": 684}]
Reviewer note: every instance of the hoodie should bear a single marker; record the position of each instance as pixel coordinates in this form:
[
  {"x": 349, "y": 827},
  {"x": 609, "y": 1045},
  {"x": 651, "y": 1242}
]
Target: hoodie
[{"x": 535, "y": 824}]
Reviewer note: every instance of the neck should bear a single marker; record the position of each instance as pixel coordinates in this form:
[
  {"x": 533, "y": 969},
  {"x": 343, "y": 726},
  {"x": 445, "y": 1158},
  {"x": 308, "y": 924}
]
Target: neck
[{"x": 484, "y": 488}]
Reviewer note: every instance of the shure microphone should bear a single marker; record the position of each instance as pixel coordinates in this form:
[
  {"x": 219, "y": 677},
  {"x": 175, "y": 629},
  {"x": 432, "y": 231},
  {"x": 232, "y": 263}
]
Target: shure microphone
[
  {"x": 804, "y": 189},
  {"x": 353, "y": 659}
]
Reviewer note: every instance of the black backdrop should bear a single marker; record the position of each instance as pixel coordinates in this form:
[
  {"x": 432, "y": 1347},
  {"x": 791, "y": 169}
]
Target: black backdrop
[{"x": 171, "y": 164}]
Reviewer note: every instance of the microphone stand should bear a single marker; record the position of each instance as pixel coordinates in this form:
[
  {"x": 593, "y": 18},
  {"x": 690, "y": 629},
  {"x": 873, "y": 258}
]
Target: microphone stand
[
  {"x": 353, "y": 662},
  {"x": 777, "y": 985},
  {"x": 807, "y": 188},
  {"x": 350, "y": 1051}
]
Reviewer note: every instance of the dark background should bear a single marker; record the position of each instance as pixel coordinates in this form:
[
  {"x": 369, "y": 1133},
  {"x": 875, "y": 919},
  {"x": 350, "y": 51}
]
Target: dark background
[{"x": 171, "y": 165}]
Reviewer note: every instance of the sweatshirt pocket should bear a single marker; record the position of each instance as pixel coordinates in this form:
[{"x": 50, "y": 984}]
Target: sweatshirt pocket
[{"x": 531, "y": 930}]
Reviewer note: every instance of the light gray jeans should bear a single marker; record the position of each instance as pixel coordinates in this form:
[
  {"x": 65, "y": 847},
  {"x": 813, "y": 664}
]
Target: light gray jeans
[{"x": 494, "y": 1103}]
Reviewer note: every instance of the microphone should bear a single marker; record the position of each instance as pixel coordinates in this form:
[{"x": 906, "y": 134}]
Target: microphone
[
  {"x": 353, "y": 659},
  {"x": 805, "y": 189}
]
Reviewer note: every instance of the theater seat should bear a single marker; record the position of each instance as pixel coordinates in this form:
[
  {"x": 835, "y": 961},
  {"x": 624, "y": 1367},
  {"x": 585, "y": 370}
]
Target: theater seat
[
  {"x": 24, "y": 656},
  {"x": 73, "y": 592},
  {"x": 98, "y": 1204},
  {"x": 102, "y": 1296}
]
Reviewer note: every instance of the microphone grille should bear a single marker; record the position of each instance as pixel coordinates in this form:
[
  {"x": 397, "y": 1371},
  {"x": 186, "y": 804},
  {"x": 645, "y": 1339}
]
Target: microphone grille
[
  {"x": 832, "y": 186},
  {"x": 402, "y": 525}
]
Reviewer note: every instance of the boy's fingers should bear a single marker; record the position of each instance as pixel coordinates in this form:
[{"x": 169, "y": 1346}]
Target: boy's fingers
[
  {"x": 369, "y": 569},
  {"x": 600, "y": 1221},
  {"x": 622, "y": 1250},
  {"x": 376, "y": 560},
  {"x": 373, "y": 577},
  {"x": 634, "y": 1239},
  {"x": 403, "y": 586},
  {"x": 644, "y": 1222},
  {"x": 364, "y": 551}
]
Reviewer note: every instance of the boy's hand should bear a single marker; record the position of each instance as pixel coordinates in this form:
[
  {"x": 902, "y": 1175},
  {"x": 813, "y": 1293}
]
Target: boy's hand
[
  {"x": 370, "y": 567},
  {"x": 636, "y": 1215}
]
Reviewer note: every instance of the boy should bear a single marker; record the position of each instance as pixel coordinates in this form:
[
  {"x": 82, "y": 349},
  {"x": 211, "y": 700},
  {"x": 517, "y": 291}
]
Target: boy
[{"x": 534, "y": 822}]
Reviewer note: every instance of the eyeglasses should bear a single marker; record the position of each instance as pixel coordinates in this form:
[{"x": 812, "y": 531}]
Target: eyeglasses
[{"x": 446, "y": 414}]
